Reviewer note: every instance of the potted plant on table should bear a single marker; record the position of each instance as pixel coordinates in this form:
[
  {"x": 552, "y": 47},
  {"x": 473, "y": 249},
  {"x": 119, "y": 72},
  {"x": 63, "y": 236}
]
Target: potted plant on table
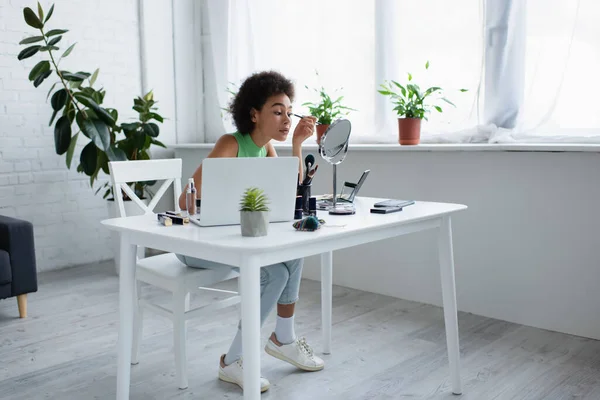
[
  {"x": 326, "y": 110},
  {"x": 409, "y": 101},
  {"x": 81, "y": 116},
  {"x": 254, "y": 213}
]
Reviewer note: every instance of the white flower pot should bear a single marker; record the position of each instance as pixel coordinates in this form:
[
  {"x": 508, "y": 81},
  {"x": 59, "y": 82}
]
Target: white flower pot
[
  {"x": 254, "y": 223},
  {"x": 131, "y": 209}
]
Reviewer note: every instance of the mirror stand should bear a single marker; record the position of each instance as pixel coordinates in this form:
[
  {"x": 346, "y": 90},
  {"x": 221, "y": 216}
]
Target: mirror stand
[{"x": 341, "y": 208}]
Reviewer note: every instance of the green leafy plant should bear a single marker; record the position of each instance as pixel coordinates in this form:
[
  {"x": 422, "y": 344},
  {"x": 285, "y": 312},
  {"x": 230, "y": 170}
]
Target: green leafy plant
[
  {"x": 254, "y": 199},
  {"x": 327, "y": 110},
  {"x": 78, "y": 106},
  {"x": 232, "y": 90},
  {"x": 409, "y": 99}
]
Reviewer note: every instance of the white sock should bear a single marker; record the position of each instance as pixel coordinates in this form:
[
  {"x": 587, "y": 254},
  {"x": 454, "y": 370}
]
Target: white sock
[
  {"x": 284, "y": 330},
  {"x": 235, "y": 350}
]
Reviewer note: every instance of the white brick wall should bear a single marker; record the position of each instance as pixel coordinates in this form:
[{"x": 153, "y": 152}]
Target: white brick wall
[{"x": 34, "y": 182}]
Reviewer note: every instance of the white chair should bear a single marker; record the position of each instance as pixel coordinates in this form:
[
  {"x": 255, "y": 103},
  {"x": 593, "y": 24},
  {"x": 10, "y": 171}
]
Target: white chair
[{"x": 166, "y": 271}]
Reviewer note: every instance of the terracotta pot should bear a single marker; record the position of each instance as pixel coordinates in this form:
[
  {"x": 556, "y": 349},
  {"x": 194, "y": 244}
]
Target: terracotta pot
[
  {"x": 409, "y": 130},
  {"x": 320, "y": 131}
]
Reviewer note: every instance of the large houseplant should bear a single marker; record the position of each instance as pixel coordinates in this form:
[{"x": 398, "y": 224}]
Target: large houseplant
[
  {"x": 78, "y": 106},
  {"x": 326, "y": 109},
  {"x": 410, "y": 105},
  {"x": 254, "y": 213}
]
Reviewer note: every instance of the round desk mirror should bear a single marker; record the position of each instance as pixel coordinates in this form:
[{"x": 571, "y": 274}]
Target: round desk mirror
[
  {"x": 333, "y": 149},
  {"x": 334, "y": 143}
]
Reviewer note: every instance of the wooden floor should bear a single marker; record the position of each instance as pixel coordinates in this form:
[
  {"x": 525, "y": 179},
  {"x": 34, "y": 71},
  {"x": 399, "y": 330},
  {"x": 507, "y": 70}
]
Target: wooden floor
[{"x": 383, "y": 348}]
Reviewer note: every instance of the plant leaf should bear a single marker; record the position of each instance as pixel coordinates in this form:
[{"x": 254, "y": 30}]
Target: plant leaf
[
  {"x": 427, "y": 65},
  {"x": 448, "y": 101},
  {"x": 100, "y": 112},
  {"x": 55, "y": 32},
  {"x": 79, "y": 76},
  {"x": 103, "y": 163},
  {"x": 31, "y": 19},
  {"x": 52, "y": 118},
  {"x": 71, "y": 149},
  {"x": 49, "y": 13},
  {"x": 409, "y": 77},
  {"x": 38, "y": 81},
  {"x": 156, "y": 142},
  {"x": 151, "y": 129},
  {"x": 94, "y": 76},
  {"x": 88, "y": 159},
  {"x": 31, "y": 39},
  {"x": 130, "y": 126},
  {"x": 156, "y": 117},
  {"x": 113, "y": 113},
  {"x": 59, "y": 99},
  {"x": 116, "y": 154},
  {"x": 39, "y": 68},
  {"x": 62, "y": 135},
  {"x": 51, "y": 89},
  {"x": 48, "y": 48},
  {"x": 96, "y": 130},
  {"x": 438, "y": 108},
  {"x": 68, "y": 51},
  {"x": 40, "y": 11},
  {"x": 75, "y": 85},
  {"x": 28, "y": 52},
  {"x": 54, "y": 41}
]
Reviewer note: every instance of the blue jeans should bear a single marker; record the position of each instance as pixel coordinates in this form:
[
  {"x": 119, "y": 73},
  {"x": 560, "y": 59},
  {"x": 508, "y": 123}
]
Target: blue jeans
[{"x": 279, "y": 283}]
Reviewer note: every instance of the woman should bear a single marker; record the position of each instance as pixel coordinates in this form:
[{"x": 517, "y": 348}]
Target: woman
[{"x": 262, "y": 112}]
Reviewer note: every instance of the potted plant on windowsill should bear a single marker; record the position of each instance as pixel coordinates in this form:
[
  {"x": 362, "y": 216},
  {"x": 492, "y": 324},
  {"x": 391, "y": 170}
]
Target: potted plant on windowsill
[
  {"x": 254, "y": 213},
  {"x": 81, "y": 115},
  {"x": 326, "y": 110},
  {"x": 411, "y": 108}
]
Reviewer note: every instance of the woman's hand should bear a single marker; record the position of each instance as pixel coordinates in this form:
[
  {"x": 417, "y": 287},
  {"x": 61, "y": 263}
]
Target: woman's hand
[{"x": 304, "y": 130}]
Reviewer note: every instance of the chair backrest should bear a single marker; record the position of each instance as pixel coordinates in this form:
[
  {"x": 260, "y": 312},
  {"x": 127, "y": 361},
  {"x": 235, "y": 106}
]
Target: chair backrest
[{"x": 122, "y": 172}]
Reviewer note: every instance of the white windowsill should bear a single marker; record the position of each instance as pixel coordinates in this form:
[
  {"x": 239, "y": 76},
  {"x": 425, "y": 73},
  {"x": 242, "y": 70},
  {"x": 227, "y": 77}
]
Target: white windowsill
[{"x": 524, "y": 147}]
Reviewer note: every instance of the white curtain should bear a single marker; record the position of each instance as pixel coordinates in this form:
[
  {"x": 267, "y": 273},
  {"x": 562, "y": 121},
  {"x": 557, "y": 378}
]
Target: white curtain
[
  {"x": 530, "y": 67},
  {"x": 228, "y": 58},
  {"x": 560, "y": 77}
]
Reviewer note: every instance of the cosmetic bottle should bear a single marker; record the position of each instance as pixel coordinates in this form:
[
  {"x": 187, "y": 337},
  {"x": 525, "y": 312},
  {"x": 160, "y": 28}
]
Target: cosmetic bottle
[{"x": 190, "y": 198}]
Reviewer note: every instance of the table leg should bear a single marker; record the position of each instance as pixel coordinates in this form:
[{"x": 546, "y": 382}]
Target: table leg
[
  {"x": 326, "y": 298},
  {"x": 127, "y": 260},
  {"x": 250, "y": 298},
  {"x": 446, "y": 259}
]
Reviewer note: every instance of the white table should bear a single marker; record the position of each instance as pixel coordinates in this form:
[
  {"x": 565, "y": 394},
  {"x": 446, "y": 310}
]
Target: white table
[{"x": 226, "y": 245}]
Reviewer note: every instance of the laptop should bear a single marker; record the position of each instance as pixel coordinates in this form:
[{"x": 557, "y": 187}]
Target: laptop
[
  {"x": 326, "y": 202},
  {"x": 224, "y": 181}
]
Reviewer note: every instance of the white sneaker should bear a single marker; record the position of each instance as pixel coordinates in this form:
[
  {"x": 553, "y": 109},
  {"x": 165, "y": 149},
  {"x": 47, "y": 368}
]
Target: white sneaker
[
  {"x": 234, "y": 373},
  {"x": 297, "y": 353}
]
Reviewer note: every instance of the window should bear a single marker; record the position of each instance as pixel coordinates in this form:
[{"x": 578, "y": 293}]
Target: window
[
  {"x": 538, "y": 61},
  {"x": 561, "y": 68}
]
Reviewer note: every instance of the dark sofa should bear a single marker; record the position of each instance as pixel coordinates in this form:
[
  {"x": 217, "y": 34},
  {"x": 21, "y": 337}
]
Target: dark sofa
[{"x": 18, "y": 274}]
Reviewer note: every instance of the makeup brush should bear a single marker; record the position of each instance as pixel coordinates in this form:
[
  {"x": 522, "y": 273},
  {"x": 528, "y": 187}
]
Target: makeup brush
[
  {"x": 310, "y": 175},
  {"x": 300, "y": 116},
  {"x": 309, "y": 161}
]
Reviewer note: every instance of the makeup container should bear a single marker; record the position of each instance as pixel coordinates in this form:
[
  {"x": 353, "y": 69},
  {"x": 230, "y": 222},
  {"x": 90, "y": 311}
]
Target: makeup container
[
  {"x": 190, "y": 198},
  {"x": 304, "y": 192},
  {"x": 165, "y": 220},
  {"x": 298, "y": 213},
  {"x": 312, "y": 206},
  {"x": 175, "y": 219}
]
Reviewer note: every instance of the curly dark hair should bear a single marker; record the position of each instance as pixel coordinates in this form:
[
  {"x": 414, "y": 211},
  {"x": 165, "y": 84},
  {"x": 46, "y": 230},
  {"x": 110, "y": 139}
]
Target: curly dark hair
[{"x": 254, "y": 93}]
